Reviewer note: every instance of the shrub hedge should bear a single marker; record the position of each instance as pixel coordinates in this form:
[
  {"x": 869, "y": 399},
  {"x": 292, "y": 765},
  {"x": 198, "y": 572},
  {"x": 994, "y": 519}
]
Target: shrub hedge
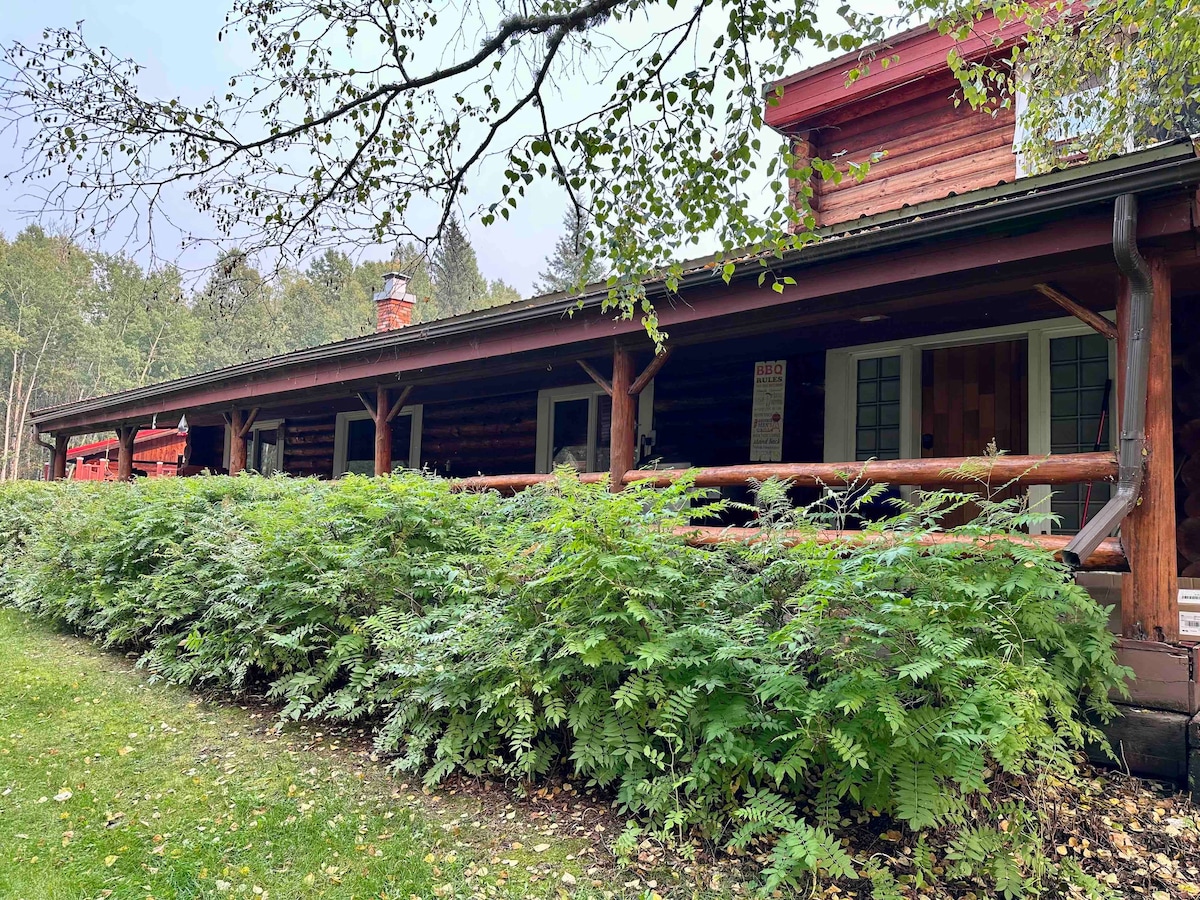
[{"x": 742, "y": 694}]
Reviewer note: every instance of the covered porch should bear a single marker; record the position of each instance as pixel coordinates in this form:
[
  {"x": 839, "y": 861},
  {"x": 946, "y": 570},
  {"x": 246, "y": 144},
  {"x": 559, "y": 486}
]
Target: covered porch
[{"x": 899, "y": 351}]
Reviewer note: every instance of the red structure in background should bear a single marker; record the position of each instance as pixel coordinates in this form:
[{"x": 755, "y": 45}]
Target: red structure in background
[{"x": 157, "y": 453}]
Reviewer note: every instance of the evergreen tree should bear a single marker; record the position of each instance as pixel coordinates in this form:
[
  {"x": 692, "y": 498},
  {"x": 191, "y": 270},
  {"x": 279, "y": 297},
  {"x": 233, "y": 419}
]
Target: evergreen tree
[
  {"x": 501, "y": 292},
  {"x": 458, "y": 285},
  {"x": 573, "y": 262}
]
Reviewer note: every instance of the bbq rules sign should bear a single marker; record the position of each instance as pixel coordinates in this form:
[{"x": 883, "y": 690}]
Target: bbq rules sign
[{"x": 766, "y": 417}]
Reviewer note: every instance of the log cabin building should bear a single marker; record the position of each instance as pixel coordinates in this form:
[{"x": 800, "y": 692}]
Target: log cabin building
[
  {"x": 952, "y": 300},
  {"x": 157, "y": 453}
]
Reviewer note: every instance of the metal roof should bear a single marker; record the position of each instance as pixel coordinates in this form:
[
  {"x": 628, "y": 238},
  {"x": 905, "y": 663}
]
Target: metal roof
[
  {"x": 143, "y": 437},
  {"x": 1163, "y": 166}
]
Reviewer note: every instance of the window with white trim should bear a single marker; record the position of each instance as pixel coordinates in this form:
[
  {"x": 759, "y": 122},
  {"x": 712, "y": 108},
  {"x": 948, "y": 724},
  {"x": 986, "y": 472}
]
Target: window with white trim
[
  {"x": 264, "y": 453},
  {"x": 264, "y": 447},
  {"x": 1068, "y": 367},
  {"x": 574, "y": 424},
  {"x": 354, "y": 441}
]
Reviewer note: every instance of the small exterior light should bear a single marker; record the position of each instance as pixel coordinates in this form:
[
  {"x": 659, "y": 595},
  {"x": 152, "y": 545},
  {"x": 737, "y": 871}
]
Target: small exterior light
[{"x": 183, "y": 425}]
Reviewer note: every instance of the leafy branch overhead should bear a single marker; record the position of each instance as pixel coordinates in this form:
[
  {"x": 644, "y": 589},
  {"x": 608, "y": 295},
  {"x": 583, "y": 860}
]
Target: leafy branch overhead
[{"x": 355, "y": 121}]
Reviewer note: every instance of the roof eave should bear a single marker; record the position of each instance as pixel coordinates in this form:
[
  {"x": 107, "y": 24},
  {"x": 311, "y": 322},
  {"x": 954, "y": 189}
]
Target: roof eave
[{"x": 1161, "y": 167}]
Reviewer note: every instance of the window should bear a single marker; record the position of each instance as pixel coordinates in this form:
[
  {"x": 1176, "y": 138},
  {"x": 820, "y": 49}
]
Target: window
[
  {"x": 877, "y": 411},
  {"x": 574, "y": 425},
  {"x": 264, "y": 447},
  {"x": 1074, "y": 120},
  {"x": 354, "y": 441},
  {"x": 264, "y": 454},
  {"x": 1081, "y": 406},
  {"x": 1067, "y": 370}
]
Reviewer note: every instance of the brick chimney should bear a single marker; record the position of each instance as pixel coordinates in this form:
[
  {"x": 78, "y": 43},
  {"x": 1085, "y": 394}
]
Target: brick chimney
[{"x": 394, "y": 304}]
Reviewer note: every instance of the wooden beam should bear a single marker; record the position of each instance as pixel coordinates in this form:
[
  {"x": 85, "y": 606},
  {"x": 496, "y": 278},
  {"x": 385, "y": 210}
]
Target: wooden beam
[
  {"x": 508, "y": 484},
  {"x": 249, "y": 422},
  {"x": 1149, "y": 593},
  {"x": 383, "y": 433},
  {"x": 58, "y": 464},
  {"x": 596, "y": 377},
  {"x": 1093, "y": 320},
  {"x": 126, "y": 436},
  {"x": 623, "y": 427},
  {"x": 639, "y": 383},
  {"x": 368, "y": 404},
  {"x": 1107, "y": 556},
  {"x": 405, "y": 393}
]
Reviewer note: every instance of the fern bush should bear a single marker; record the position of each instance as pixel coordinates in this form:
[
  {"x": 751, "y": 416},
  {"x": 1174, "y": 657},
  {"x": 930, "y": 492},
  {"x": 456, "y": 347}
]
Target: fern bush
[{"x": 747, "y": 694}]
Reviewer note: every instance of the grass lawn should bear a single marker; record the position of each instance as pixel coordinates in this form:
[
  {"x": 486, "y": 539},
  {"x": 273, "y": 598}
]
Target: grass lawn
[
  {"x": 110, "y": 787},
  {"x": 113, "y": 787}
]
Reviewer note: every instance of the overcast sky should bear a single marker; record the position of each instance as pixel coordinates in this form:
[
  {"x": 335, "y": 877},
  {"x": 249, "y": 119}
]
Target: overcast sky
[{"x": 177, "y": 43}]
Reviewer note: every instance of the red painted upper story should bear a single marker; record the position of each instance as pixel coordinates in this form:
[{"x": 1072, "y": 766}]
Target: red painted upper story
[
  {"x": 151, "y": 444},
  {"x": 901, "y": 114}
]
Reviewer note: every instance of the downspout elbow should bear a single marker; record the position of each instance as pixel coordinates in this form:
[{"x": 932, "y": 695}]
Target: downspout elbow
[{"x": 1131, "y": 448}]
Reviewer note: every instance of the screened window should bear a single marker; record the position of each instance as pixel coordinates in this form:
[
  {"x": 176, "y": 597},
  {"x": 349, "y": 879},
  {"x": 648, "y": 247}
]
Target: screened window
[
  {"x": 877, "y": 415},
  {"x": 1080, "y": 412}
]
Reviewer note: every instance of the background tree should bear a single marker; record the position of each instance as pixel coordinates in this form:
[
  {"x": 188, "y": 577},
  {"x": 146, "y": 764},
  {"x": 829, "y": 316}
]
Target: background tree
[
  {"x": 573, "y": 263},
  {"x": 42, "y": 283},
  {"x": 240, "y": 317},
  {"x": 348, "y": 112},
  {"x": 500, "y": 292},
  {"x": 413, "y": 261},
  {"x": 458, "y": 285}
]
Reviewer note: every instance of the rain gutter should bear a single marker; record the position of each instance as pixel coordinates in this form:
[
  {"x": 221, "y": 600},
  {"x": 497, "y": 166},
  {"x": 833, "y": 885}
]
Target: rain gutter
[{"x": 1131, "y": 450}]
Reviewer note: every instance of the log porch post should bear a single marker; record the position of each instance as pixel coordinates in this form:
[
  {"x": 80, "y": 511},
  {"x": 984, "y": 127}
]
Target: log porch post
[
  {"x": 623, "y": 428},
  {"x": 237, "y": 444},
  {"x": 382, "y": 415},
  {"x": 383, "y": 433},
  {"x": 126, "y": 435},
  {"x": 240, "y": 424},
  {"x": 58, "y": 463},
  {"x": 1149, "y": 594}
]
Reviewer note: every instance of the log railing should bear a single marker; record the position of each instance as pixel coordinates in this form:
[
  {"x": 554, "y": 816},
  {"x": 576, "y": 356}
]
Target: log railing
[
  {"x": 965, "y": 473},
  {"x": 1108, "y": 555},
  {"x": 1067, "y": 468}
]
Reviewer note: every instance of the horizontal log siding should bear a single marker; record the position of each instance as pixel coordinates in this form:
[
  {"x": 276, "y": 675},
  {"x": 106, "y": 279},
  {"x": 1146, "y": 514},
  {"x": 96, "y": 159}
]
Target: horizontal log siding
[
  {"x": 308, "y": 447},
  {"x": 933, "y": 149},
  {"x": 497, "y": 436},
  {"x": 206, "y": 447},
  {"x": 702, "y": 405}
]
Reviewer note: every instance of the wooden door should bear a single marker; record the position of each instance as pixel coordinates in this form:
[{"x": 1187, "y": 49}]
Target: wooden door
[{"x": 971, "y": 395}]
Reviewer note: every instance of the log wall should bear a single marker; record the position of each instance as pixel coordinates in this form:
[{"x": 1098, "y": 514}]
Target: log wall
[
  {"x": 493, "y": 436},
  {"x": 703, "y": 399},
  {"x": 933, "y": 149},
  {"x": 308, "y": 447},
  {"x": 206, "y": 448}
]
